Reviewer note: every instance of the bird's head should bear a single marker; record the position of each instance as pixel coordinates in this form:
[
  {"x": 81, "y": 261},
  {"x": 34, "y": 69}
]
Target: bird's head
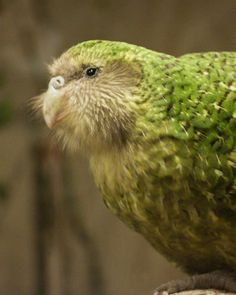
[{"x": 92, "y": 93}]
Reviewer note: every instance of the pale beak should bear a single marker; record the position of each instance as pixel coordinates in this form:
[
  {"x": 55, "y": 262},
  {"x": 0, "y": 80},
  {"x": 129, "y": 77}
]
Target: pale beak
[
  {"x": 50, "y": 120},
  {"x": 51, "y": 102}
]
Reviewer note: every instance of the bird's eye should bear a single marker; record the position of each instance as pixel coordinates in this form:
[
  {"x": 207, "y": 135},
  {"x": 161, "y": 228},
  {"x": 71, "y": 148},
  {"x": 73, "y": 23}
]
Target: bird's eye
[{"x": 91, "y": 72}]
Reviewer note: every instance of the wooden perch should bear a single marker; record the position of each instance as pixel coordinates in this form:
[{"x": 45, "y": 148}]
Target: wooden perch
[{"x": 203, "y": 292}]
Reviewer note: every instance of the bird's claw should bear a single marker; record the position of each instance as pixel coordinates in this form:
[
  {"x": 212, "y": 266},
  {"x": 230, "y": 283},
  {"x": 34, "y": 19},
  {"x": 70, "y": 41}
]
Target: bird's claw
[{"x": 173, "y": 287}]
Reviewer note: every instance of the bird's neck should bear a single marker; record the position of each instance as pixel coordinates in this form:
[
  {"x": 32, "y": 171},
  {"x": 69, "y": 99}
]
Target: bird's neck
[{"x": 111, "y": 167}]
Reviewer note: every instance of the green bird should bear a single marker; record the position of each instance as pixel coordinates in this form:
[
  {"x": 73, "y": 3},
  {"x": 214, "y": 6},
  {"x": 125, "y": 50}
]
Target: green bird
[{"x": 160, "y": 134}]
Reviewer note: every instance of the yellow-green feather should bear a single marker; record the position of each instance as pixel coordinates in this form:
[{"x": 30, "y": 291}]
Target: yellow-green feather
[{"x": 174, "y": 181}]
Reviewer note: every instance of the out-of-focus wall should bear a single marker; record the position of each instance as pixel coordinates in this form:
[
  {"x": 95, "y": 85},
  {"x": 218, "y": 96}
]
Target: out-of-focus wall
[{"x": 56, "y": 236}]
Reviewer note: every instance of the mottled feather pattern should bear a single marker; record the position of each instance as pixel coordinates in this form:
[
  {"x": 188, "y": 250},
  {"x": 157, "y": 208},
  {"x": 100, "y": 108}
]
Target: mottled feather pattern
[
  {"x": 162, "y": 132},
  {"x": 177, "y": 188}
]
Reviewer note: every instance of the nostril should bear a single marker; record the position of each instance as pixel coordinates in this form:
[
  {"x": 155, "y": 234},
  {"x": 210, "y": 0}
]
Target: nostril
[{"x": 57, "y": 82}]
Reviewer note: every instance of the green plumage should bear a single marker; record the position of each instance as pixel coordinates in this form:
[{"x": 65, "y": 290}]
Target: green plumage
[
  {"x": 179, "y": 189},
  {"x": 173, "y": 180}
]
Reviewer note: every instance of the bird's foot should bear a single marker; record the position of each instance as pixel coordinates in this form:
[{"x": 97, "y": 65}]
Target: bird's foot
[{"x": 218, "y": 280}]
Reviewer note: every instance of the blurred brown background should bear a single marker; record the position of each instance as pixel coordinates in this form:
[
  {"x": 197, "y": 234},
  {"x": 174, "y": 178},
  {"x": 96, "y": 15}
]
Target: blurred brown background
[{"x": 56, "y": 236}]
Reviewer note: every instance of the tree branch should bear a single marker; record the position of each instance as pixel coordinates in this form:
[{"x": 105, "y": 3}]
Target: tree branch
[{"x": 202, "y": 292}]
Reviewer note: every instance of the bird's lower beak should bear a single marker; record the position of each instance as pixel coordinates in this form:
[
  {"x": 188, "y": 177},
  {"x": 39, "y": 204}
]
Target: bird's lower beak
[
  {"x": 53, "y": 119},
  {"x": 50, "y": 120}
]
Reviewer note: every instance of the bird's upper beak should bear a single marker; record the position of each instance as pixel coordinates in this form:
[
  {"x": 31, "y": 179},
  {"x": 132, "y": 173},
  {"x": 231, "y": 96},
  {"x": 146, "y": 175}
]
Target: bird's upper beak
[{"x": 52, "y": 102}]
